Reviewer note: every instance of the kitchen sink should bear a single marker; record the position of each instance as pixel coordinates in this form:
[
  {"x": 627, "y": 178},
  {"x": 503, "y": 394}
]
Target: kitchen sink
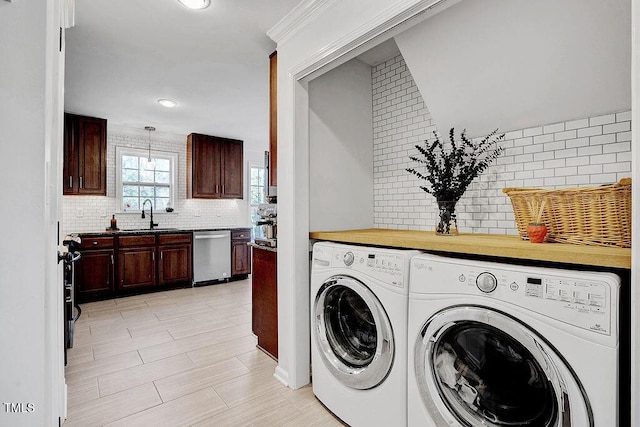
[{"x": 148, "y": 230}]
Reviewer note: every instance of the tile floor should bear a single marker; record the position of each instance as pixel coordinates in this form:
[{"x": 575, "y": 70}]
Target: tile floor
[{"x": 184, "y": 357}]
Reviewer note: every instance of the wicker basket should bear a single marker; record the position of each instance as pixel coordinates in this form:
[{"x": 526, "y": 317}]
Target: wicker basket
[{"x": 594, "y": 216}]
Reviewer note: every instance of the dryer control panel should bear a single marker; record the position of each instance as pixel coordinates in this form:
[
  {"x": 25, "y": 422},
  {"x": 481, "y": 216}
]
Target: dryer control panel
[
  {"x": 387, "y": 266},
  {"x": 584, "y": 299}
]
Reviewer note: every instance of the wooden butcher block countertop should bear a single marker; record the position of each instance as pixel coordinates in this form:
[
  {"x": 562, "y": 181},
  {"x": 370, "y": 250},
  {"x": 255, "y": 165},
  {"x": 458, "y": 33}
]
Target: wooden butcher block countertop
[{"x": 485, "y": 245}]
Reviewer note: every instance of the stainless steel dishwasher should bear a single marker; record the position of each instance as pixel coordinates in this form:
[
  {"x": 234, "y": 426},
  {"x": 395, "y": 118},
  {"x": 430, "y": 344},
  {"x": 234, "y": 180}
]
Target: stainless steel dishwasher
[{"x": 211, "y": 255}]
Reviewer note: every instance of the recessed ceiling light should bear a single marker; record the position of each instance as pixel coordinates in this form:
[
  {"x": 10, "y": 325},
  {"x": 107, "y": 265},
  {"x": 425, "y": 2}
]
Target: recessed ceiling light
[
  {"x": 196, "y": 4},
  {"x": 167, "y": 103}
]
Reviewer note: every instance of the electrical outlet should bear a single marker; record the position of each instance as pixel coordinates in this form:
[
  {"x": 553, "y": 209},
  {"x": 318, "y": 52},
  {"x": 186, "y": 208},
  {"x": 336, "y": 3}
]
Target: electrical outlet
[
  {"x": 103, "y": 213},
  {"x": 79, "y": 212},
  {"x": 197, "y": 212}
]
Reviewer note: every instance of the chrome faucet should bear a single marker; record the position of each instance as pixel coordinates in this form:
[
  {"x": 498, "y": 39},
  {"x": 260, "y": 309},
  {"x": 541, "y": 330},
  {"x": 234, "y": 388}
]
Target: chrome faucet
[{"x": 151, "y": 223}]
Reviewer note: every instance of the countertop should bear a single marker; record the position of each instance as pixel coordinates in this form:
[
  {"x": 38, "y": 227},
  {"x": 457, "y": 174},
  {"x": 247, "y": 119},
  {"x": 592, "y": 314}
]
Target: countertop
[
  {"x": 264, "y": 248},
  {"x": 159, "y": 230},
  {"x": 484, "y": 244}
]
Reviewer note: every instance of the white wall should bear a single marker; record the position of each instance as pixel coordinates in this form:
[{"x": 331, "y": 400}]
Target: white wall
[
  {"x": 586, "y": 151},
  {"x": 30, "y": 317},
  {"x": 480, "y": 65},
  {"x": 341, "y": 149},
  {"x": 92, "y": 213}
]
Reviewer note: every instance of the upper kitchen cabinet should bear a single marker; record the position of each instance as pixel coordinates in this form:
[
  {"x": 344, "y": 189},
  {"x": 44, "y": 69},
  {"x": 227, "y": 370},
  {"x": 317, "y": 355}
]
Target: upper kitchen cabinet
[
  {"x": 214, "y": 167},
  {"x": 85, "y": 155}
]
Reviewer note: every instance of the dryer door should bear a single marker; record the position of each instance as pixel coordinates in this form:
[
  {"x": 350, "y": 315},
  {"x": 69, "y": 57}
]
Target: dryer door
[
  {"x": 477, "y": 366},
  {"x": 353, "y": 333}
]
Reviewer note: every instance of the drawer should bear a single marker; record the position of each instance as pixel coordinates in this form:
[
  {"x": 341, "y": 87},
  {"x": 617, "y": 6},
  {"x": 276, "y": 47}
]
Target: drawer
[
  {"x": 96, "y": 242},
  {"x": 240, "y": 234},
  {"x": 168, "y": 239},
  {"x": 145, "y": 240}
]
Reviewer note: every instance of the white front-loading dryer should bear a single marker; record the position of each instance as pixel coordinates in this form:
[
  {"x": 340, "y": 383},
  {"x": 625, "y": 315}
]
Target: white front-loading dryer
[
  {"x": 359, "y": 298},
  {"x": 504, "y": 345}
]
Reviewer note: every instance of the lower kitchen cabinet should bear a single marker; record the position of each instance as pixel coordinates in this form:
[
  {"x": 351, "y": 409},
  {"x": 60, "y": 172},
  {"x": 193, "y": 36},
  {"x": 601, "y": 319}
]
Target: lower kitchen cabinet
[
  {"x": 136, "y": 267},
  {"x": 136, "y": 261},
  {"x": 240, "y": 252},
  {"x": 264, "y": 299},
  {"x": 94, "y": 273},
  {"x": 95, "y": 270},
  {"x": 175, "y": 259}
]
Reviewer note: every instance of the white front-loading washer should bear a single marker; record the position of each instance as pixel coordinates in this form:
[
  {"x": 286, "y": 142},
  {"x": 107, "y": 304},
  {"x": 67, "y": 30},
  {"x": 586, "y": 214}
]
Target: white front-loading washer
[
  {"x": 359, "y": 298},
  {"x": 504, "y": 345}
]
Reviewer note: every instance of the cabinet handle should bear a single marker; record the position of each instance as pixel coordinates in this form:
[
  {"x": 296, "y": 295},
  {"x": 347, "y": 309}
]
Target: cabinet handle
[
  {"x": 161, "y": 255},
  {"x": 222, "y": 188},
  {"x": 153, "y": 256},
  {"x": 111, "y": 259},
  {"x": 80, "y": 182},
  {"x": 70, "y": 182}
]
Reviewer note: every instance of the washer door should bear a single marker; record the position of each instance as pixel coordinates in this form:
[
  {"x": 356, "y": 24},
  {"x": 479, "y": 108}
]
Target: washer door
[
  {"x": 353, "y": 333},
  {"x": 477, "y": 366}
]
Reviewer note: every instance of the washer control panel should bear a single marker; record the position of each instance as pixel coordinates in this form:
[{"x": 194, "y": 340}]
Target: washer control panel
[
  {"x": 388, "y": 267},
  {"x": 583, "y": 299}
]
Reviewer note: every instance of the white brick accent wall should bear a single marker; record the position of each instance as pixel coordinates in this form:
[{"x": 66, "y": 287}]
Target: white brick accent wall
[
  {"x": 93, "y": 213},
  {"x": 582, "y": 152}
]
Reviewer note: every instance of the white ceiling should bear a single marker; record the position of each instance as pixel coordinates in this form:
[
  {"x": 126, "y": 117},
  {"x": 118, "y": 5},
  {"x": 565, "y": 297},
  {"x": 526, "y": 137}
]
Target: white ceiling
[{"x": 124, "y": 55}]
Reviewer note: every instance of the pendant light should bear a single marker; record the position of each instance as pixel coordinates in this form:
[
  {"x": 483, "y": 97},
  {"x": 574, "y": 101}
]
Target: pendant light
[{"x": 150, "y": 165}]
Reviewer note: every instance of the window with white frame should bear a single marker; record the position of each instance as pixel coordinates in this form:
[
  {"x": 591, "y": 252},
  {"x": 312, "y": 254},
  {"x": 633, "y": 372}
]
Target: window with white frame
[
  {"x": 138, "y": 179},
  {"x": 256, "y": 192}
]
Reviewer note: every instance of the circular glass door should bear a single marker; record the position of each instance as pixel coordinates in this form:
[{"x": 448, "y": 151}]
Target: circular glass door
[
  {"x": 477, "y": 366},
  {"x": 353, "y": 333}
]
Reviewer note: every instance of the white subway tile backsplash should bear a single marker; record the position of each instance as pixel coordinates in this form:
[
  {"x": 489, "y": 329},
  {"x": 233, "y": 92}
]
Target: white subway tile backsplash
[
  {"x": 623, "y": 136},
  {"x": 588, "y": 151},
  {"x": 556, "y": 127},
  {"x": 590, "y": 131},
  {"x": 602, "y": 139},
  {"x": 624, "y": 116},
  {"x": 542, "y": 139},
  {"x": 532, "y": 131},
  {"x": 617, "y": 167},
  {"x": 576, "y": 124},
  {"x": 579, "y": 152},
  {"x": 617, "y": 127},
  {"x": 568, "y": 134},
  {"x": 602, "y": 120},
  {"x": 578, "y": 142}
]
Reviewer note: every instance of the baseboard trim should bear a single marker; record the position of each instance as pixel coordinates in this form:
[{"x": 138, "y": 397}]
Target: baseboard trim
[{"x": 281, "y": 375}]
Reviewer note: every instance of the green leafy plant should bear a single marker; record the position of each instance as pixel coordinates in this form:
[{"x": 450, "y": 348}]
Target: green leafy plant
[{"x": 452, "y": 167}]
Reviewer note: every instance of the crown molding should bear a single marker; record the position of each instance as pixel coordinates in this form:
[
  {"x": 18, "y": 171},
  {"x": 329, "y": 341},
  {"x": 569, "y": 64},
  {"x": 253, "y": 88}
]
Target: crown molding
[
  {"x": 391, "y": 21},
  {"x": 304, "y": 13}
]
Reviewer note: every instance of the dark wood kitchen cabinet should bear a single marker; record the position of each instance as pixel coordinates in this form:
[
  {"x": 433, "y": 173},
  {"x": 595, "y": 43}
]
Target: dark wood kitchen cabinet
[
  {"x": 240, "y": 252},
  {"x": 264, "y": 299},
  {"x": 94, "y": 272},
  {"x": 175, "y": 258},
  {"x": 85, "y": 155},
  {"x": 122, "y": 264},
  {"x": 136, "y": 261},
  {"x": 214, "y": 167}
]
